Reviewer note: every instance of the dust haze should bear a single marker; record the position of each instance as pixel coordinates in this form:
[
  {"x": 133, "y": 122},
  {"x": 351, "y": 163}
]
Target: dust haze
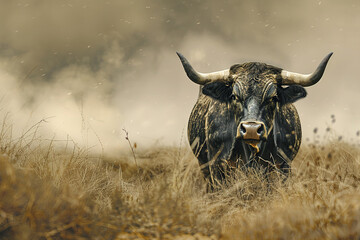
[{"x": 91, "y": 68}]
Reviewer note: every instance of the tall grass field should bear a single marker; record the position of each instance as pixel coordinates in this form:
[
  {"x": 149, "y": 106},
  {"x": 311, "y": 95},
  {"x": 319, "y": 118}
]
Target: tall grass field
[{"x": 53, "y": 189}]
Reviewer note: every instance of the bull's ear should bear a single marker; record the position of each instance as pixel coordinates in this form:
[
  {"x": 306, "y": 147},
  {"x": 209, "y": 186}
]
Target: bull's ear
[
  {"x": 219, "y": 90},
  {"x": 291, "y": 94}
]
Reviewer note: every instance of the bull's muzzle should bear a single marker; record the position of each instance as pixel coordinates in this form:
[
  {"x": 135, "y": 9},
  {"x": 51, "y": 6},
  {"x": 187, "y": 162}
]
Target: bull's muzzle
[{"x": 251, "y": 131}]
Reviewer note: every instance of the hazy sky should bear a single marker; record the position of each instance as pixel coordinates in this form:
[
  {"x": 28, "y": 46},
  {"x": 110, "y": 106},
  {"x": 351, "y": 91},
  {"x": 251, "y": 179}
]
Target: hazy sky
[{"x": 95, "y": 67}]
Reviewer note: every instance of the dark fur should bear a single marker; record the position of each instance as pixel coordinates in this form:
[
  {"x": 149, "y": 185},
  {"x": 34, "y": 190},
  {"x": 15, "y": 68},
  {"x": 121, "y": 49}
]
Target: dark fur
[{"x": 251, "y": 92}]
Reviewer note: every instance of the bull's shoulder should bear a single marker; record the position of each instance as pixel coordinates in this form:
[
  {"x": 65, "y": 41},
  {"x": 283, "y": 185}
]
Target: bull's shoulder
[
  {"x": 196, "y": 128},
  {"x": 200, "y": 110},
  {"x": 288, "y": 130},
  {"x": 196, "y": 123},
  {"x": 289, "y": 117}
]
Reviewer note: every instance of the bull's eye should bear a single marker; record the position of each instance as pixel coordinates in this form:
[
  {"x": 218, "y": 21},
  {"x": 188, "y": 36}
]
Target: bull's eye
[
  {"x": 235, "y": 97},
  {"x": 269, "y": 100},
  {"x": 275, "y": 98}
]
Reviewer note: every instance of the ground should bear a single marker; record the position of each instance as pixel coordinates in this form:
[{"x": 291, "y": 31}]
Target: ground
[{"x": 51, "y": 190}]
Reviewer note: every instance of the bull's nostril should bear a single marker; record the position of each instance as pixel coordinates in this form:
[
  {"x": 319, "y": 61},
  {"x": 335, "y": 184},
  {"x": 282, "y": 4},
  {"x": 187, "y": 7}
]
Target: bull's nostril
[
  {"x": 242, "y": 129},
  {"x": 251, "y": 130},
  {"x": 260, "y": 129}
]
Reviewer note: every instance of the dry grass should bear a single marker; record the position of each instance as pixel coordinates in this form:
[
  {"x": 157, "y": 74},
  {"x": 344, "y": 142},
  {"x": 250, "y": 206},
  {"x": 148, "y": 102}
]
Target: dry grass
[{"x": 56, "y": 190}]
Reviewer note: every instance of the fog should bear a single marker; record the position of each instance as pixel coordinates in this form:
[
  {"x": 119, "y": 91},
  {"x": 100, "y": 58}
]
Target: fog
[{"x": 93, "y": 68}]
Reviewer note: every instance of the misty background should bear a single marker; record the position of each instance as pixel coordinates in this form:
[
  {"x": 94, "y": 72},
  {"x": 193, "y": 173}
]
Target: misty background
[{"x": 92, "y": 68}]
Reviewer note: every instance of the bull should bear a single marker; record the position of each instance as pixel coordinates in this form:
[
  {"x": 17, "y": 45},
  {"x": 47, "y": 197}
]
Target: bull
[{"x": 244, "y": 117}]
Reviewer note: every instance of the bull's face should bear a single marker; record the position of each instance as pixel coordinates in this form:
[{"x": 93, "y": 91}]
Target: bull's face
[
  {"x": 253, "y": 92},
  {"x": 254, "y": 97}
]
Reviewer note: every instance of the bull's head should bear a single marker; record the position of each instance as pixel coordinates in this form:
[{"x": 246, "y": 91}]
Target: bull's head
[{"x": 255, "y": 91}]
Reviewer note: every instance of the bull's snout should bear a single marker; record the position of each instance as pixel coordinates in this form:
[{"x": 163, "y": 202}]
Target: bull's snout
[{"x": 252, "y": 131}]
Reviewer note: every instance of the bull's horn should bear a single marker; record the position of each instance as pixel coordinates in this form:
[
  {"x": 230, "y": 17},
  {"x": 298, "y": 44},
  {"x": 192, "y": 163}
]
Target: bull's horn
[
  {"x": 290, "y": 78},
  {"x": 202, "y": 78}
]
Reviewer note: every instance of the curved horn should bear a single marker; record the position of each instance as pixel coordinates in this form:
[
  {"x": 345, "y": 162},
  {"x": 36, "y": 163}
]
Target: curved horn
[
  {"x": 202, "y": 78},
  {"x": 305, "y": 80}
]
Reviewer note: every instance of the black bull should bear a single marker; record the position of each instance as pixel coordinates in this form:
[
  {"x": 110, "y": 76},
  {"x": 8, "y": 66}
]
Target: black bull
[{"x": 244, "y": 117}]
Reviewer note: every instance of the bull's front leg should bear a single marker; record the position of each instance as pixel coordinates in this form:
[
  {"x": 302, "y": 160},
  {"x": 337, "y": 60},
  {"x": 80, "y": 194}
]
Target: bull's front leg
[
  {"x": 220, "y": 135},
  {"x": 220, "y": 146}
]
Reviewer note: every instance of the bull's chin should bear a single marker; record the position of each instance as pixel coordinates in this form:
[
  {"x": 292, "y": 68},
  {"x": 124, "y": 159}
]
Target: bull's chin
[{"x": 254, "y": 144}]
